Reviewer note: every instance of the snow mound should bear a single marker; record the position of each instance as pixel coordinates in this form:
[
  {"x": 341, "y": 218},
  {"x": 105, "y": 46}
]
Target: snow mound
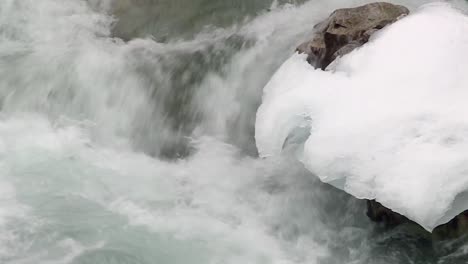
[{"x": 389, "y": 121}]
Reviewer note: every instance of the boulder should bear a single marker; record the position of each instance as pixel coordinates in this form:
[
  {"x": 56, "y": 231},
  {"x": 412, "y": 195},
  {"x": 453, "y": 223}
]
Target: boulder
[
  {"x": 347, "y": 29},
  {"x": 342, "y": 32}
]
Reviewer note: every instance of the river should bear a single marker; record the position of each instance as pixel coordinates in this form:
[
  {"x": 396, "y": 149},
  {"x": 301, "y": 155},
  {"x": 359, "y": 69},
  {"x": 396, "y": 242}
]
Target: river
[{"x": 127, "y": 136}]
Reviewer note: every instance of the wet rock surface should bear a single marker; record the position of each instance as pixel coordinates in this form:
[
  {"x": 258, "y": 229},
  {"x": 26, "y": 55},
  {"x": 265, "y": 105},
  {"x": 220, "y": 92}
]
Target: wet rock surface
[
  {"x": 379, "y": 213},
  {"x": 456, "y": 228},
  {"x": 347, "y": 29}
]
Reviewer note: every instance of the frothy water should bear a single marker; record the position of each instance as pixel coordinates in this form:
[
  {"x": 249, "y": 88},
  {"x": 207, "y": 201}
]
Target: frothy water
[{"x": 133, "y": 143}]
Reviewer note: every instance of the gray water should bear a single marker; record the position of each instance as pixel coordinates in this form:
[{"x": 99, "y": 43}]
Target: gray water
[{"x": 126, "y": 136}]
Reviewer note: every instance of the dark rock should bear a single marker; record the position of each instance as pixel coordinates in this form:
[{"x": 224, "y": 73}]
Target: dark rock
[
  {"x": 381, "y": 214},
  {"x": 456, "y": 228},
  {"x": 346, "y": 29}
]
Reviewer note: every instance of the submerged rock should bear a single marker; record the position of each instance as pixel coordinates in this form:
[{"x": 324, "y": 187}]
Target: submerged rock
[{"x": 347, "y": 29}]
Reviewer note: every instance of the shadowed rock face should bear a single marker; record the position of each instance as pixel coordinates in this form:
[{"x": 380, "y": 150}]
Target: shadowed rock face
[
  {"x": 457, "y": 227},
  {"x": 379, "y": 213},
  {"x": 347, "y": 29}
]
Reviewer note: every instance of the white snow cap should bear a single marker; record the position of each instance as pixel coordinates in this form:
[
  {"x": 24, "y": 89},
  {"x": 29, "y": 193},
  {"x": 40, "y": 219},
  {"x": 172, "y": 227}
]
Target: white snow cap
[{"x": 390, "y": 122}]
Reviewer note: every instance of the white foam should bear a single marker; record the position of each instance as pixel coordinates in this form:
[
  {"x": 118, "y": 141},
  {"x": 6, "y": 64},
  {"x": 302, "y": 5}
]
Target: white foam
[
  {"x": 389, "y": 122},
  {"x": 208, "y": 197}
]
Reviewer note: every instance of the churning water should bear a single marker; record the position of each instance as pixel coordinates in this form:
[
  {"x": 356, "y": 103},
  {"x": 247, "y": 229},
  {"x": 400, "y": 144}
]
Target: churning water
[{"x": 127, "y": 136}]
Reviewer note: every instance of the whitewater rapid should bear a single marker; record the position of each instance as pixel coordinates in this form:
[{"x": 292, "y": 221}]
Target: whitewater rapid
[{"x": 123, "y": 140}]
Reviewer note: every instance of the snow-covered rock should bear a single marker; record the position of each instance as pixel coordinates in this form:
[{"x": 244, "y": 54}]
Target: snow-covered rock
[{"x": 389, "y": 122}]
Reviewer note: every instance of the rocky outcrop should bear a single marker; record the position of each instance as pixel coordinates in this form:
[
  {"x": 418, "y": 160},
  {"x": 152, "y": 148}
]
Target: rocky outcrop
[{"x": 347, "y": 29}]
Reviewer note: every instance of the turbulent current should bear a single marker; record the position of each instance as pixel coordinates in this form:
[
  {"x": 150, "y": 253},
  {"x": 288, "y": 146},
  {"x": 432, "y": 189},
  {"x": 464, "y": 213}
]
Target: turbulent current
[{"x": 127, "y": 136}]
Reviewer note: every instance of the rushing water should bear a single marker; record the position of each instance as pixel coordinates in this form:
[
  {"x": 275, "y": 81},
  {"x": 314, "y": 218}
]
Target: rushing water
[{"x": 126, "y": 136}]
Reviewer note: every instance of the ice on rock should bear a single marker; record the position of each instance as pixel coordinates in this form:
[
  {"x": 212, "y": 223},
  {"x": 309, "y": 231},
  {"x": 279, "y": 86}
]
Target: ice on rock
[{"x": 389, "y": 121}]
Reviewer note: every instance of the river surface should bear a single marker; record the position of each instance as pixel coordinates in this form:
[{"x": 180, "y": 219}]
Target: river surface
[{"x": 127, "y": 136}]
